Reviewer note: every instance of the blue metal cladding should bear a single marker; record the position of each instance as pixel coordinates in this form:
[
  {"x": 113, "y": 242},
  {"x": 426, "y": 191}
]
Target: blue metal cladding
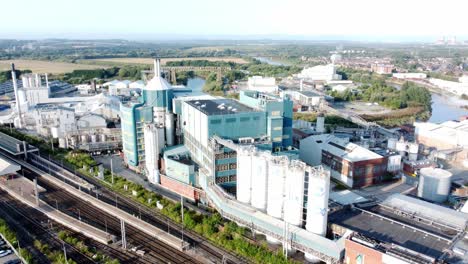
[{"x": 159, "y": 98}]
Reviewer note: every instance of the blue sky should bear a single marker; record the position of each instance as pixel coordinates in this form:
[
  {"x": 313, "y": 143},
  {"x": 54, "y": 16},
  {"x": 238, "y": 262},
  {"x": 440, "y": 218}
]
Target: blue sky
[{"x": 152, "y": 19}]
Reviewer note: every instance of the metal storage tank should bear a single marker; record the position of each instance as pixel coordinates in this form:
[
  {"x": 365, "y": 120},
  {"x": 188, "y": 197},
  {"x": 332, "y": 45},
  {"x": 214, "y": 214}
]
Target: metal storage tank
[
  {"x": 62, "y": 143},
  {"x": 320, "y": 124},
  {"x": 103, "y": 138},
  {"x": 84, "y": 139},
  {"x": 317, "y": 200},
  {"x": 244, "y": 174},
  {"x": 391, "y": 144},
  {"x": 317, "y": 203},
  {"x": 73, "y": 141},
  {"x": 153, "y": 146},
  {"x": 170, "y": 132},
  {"x": 413, "y": 148},
  {"x": 259, "y": 180},
  {"x": 93, "y": 138},
  {"x": 294, "y": 193},
  {"x": 277, "y": 167},
  {"x": 434, "y": 184}
]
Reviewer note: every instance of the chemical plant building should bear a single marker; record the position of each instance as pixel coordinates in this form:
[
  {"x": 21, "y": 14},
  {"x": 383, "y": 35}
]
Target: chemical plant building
[
  {"x": 449, "y": 138},
  {"x": 75, "y": 122},
  {"x": 262, "y": 84},
  {"x": 351, "y": 164},
  {"x": 401, "y": 229},
  {"x": 320, "y": 73}
]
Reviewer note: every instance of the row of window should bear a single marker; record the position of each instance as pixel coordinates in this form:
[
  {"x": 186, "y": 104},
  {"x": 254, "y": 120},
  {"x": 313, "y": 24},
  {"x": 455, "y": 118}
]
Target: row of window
[
  {"x": 233, "y": 119},
  {"x": 225, "y": 167}
]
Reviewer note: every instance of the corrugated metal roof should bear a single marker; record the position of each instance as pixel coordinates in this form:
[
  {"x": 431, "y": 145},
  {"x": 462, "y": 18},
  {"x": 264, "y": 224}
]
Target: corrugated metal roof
[{"x": 428, "y": 210}]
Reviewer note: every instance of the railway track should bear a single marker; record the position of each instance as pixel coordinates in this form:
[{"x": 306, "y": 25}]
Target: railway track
[
  {"x": 156, "y": 251},
  {"x": 159, "y": 220},
  {"x": 33, "y": 221}
]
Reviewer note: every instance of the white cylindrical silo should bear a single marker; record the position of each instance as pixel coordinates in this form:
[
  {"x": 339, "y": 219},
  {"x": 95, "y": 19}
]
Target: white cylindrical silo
[
  {"x": 244, "y": 173},
  {"x": 93, "y": 138},
  {"x": 170, "y": 132},
  {"x": 152, "y": 151},
  {"x": 317, "y": 204},
  {"x": 391, "y": 144},
  {"x": 259, "y": 180},
  {"x": 320, "y": 124},
  {"x": 84, "y": 139},
  {"x": 277, "y": 168},
  {"x": 294, "y": 193},
  {"x": 413, "y": 148},
  {"x": 317, "y": 200},
  {"x": 103, "y": 138},
  {"x": 434, "y": 184}
]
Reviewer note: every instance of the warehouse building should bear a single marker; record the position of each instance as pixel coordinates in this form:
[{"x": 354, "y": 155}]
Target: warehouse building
[{"x": 450, "y": 137}]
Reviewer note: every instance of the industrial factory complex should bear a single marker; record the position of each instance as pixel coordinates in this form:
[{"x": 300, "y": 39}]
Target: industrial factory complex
[{"x": 303, "y": 185}]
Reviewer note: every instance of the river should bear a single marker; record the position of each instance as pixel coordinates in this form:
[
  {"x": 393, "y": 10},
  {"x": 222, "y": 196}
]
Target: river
[{"x": 446, "y": 107}]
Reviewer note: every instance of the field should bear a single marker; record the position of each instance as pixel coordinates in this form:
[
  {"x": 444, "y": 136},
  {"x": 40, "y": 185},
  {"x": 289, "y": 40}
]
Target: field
[
  {"x": 115, "y": 61},
  {"x": 52, "y": 67}
]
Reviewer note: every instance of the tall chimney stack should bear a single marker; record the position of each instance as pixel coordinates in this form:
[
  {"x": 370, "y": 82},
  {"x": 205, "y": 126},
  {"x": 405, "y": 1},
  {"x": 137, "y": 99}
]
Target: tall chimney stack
[{"x": 15, "y": 88}]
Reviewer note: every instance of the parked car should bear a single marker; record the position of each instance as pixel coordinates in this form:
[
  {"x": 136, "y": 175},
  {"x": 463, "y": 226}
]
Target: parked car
[{"x": 5, "y": 252}]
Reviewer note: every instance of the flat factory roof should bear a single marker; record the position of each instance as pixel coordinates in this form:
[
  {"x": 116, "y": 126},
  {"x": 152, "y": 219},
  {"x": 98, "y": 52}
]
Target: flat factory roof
[
  {"x": 220, "y": 106},
  {"x": 385, "y": 230},
  {"x": 341, "y": 147},
  {"x": 428, "y": 210}
]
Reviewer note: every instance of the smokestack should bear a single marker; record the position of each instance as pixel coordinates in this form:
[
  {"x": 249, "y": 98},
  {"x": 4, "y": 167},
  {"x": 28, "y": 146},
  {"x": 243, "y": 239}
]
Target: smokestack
[
  {"x": 46, "y": 81},
  {"x": 157, "y": 68},
  {"x": 15, "y": 88}
]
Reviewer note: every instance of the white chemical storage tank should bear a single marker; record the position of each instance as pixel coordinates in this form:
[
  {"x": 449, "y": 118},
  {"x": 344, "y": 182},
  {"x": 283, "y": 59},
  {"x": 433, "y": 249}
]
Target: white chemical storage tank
[
  {"x": 73, "y": 141},
  {"x": 401, "y": 146},
  {"x": 320, "y": 124},
  {"x": 93, "y": 138},
  {"x": 413, "y": 148},
  {"x": 391, "y": 144},
  {"x": 317, "y": 200},
  {"x": 244, "y": 173},
  {"x": 84, "y": 138},
  {"x": 277, "y": 168},
  {"x": 54, "y": 131},
  {"x": 103, "y": 137},
  {"x": 259, "y": 180},
  {"x": 62, "y": 143},
  {"x": 394, "y": 163},
  {"x": 317, "y": 203},
  {"x": 294, "y": 193},
  {"x": 153, "y": 146},
  {"x": 170, "y": 133},
  {"x": 434, "y": 184}
]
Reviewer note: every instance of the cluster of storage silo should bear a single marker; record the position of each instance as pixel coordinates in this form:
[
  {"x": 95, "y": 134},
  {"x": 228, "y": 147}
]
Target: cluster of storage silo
[{"x": 277, "y": 186}]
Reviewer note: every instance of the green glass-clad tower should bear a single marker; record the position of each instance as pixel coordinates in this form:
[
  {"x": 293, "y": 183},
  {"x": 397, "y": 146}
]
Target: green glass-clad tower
[{"x": 154, "y": 106}]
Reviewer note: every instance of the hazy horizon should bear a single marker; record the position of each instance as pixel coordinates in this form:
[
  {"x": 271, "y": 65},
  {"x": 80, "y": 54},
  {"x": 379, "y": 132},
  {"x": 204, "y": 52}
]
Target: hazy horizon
[{"x": 354, "y": 20}]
